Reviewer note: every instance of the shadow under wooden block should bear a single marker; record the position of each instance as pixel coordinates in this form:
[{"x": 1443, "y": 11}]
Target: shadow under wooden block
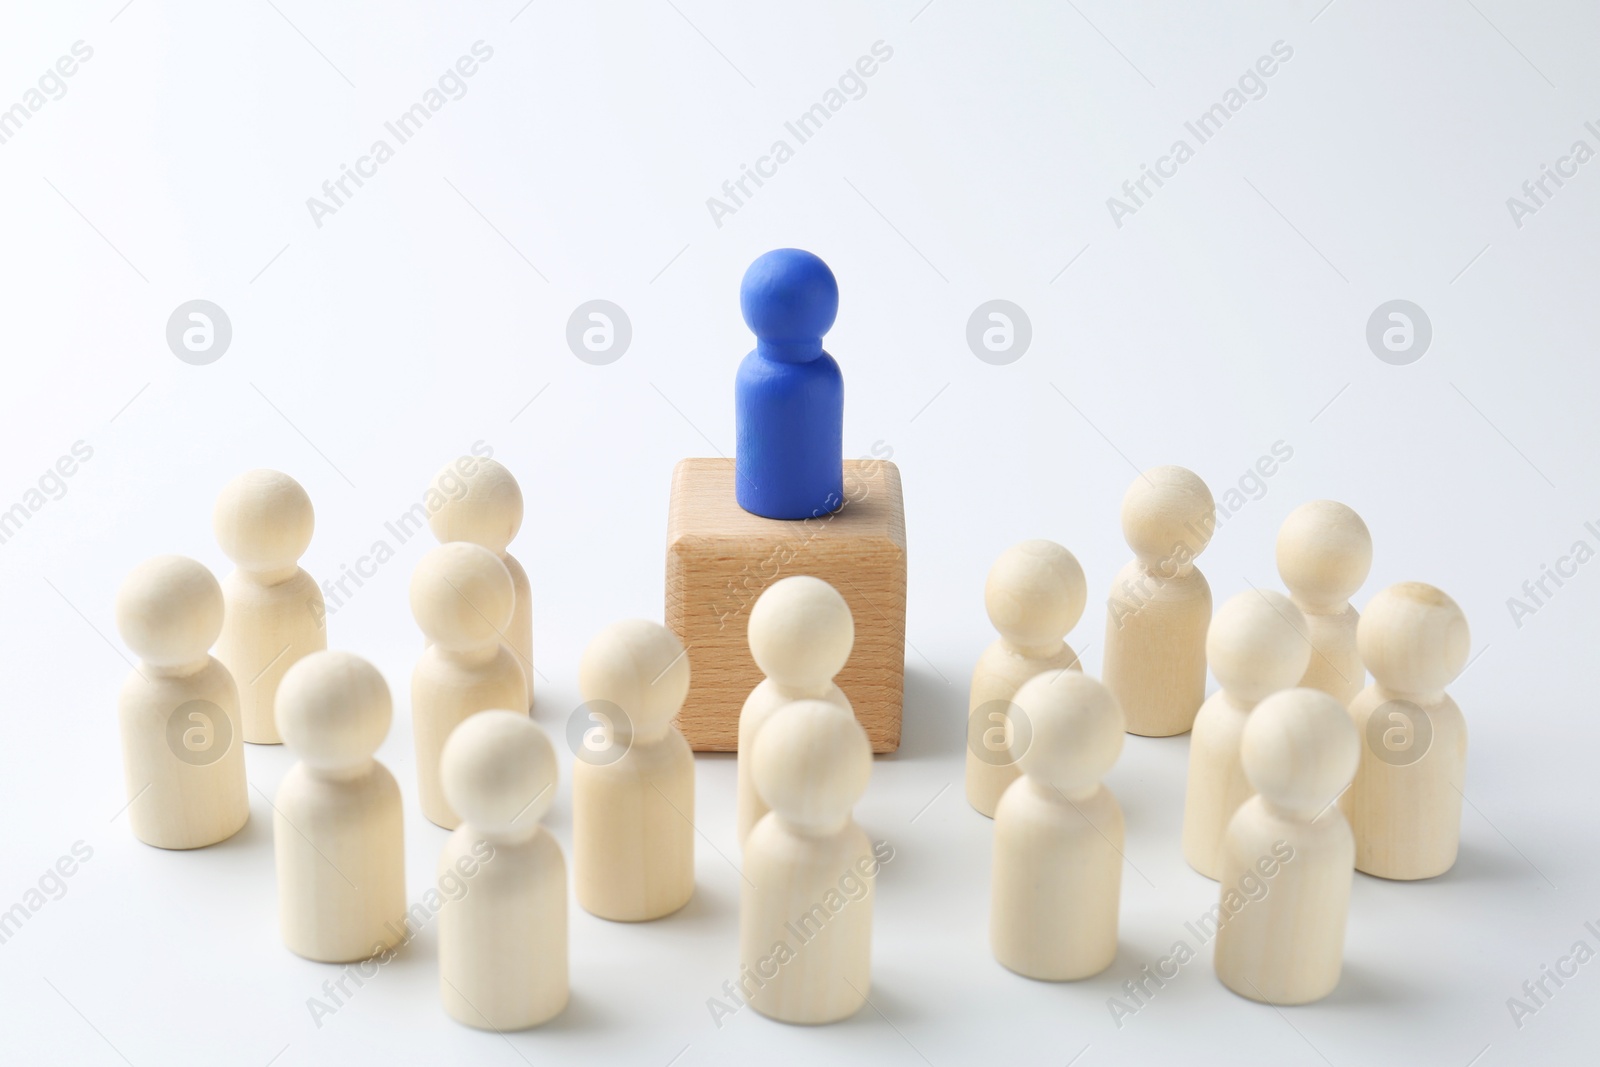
[{"x": 719, "y": 560}]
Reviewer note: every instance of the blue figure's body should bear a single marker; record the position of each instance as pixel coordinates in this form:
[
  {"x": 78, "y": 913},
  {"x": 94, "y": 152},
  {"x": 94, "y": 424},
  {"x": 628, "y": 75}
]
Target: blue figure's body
[{"x": 789, "y": 394}]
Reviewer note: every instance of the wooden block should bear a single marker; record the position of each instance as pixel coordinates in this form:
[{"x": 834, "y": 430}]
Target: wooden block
[{"x": 719, "y": 560}]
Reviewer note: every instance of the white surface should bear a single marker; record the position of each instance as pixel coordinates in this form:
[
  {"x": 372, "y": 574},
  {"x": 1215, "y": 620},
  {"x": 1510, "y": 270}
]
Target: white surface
[{"x": 1201, "y": 332}]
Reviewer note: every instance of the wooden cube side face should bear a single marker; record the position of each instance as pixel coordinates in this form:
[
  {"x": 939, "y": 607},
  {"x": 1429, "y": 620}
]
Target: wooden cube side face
[{"x": 717, "y": 569}]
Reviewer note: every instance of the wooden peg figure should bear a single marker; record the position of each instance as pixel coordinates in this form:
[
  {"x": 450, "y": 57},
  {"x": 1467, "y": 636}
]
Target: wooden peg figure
[
  {"x": 274, "y": 611},
  {"x": 1034, "y": 595},
  {"x": 1285, "y": 860},
  {"x": 1160, "y": 604},
  {"x": 1324, "y": 555},
  {"x": 1257, "y": 644},
  {"x": 503, "y": 925},
  {"x": 337, "y": 827},
  {"x": 633, "y": 796},
  {"x": 462, "y": 598},
  {"x": 182, "y": 756},
  {"x": 800, "y": 635},
  {"x": 805, "y": 909},
  {"x": 789, "y": 394},
  {"x": 1405, "y": 803},
  {"x": 482, "y": 503},
  {"x": 1058, "y": 834}
]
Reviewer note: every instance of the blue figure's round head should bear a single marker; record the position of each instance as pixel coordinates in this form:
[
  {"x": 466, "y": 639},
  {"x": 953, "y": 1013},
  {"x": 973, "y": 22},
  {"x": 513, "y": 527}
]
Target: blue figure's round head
[{"x": 789, "y": 298}]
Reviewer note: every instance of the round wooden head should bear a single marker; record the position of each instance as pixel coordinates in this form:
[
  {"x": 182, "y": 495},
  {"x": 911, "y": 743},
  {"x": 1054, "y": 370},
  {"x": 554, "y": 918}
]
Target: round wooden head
[
  {"x": 1300, "y": 750},
  {"x": 801, "y": 632},
  {"x": 263, "y": 521},
  {"x": 1413, "y": 638},
  {"x": 1074, "y": 730},
  {"x": 811, "y": 764},
  {"x": 499, "y": 773},
  {"x": 1257, "y": 645},
  {"x": 481, "y": 503},
  {"x": 1324, "y": 554},
  {"x": 789, "y": 298},
  {"x": 1035, "y": 593},
  {"x": 169, "y": 611},
  {"x": 1168, "y": 518},
  {"x": 333, "y": 710},
  {"x": 642, "y": 669},
  {"x": 462, "y": 597}
]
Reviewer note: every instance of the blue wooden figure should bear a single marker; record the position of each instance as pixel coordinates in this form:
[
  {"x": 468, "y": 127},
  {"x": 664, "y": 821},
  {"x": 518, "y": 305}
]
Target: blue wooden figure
[{"x": 789, "y": 394}]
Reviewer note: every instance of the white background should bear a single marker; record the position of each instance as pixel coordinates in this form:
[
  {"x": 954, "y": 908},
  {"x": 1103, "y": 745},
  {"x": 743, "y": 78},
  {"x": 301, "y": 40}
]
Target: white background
[{"x": 1226, "y": 315}]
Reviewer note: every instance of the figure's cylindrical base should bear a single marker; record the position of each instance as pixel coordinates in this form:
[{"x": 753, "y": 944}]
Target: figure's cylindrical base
[{"x": 789, "y": 431}]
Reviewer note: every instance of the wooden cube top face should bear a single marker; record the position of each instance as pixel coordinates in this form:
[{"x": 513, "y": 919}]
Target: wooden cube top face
[{"x": 720, "y": 558}]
